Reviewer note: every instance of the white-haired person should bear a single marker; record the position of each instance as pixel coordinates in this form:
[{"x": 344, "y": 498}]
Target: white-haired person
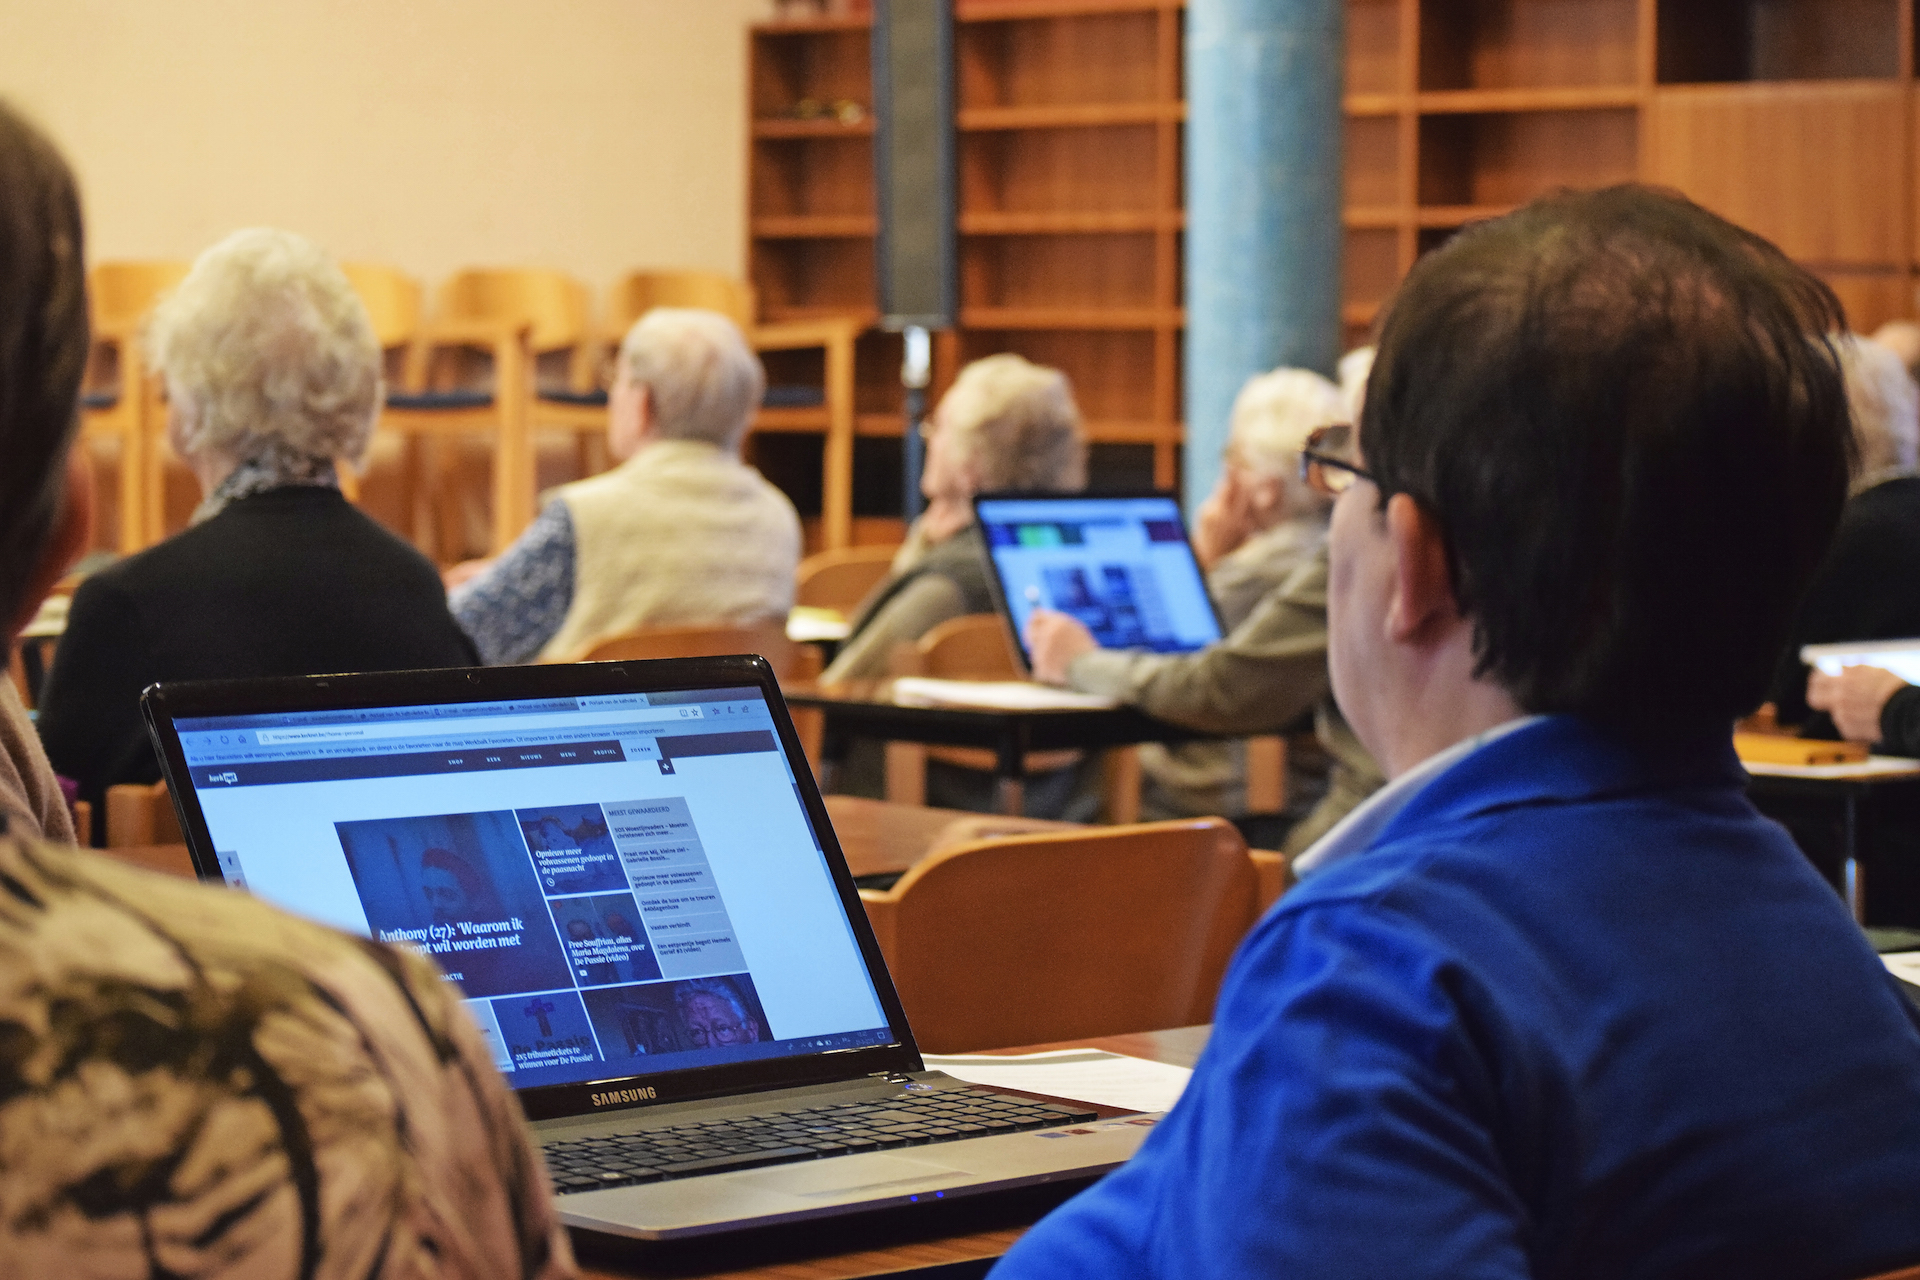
[
  {"x": 1005, "y": 425},
  {"x": 1868, "y": 587},
  {"x": 1262, "y": 536},
  {"x": 680, "y": 533},
  {"x": 273, "y": 378}
]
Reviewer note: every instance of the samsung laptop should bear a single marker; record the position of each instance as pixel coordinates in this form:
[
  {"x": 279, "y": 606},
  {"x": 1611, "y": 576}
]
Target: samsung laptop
[
  {"x": 1120, "y": 563},
  {"x": 628, "y": 870}
]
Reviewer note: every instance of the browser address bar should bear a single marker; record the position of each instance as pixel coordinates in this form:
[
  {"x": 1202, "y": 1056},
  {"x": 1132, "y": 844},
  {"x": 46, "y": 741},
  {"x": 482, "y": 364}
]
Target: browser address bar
[{"x": 478, "y": 724}]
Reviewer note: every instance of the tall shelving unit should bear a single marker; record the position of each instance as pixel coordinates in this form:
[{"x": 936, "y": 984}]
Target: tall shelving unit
[
  {"x": 1793, "y": 117},
  {"x": 1069, "y": 121},
  {"x": 1798, "y": 118}
]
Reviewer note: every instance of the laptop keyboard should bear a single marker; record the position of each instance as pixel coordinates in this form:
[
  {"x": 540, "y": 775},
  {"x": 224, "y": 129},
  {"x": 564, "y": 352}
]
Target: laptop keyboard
[{"x": 808, "y": 1133}]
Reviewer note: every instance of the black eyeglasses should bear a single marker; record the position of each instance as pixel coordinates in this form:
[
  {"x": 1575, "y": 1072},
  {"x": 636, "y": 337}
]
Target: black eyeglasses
[{"x": 1325, "y": 460}]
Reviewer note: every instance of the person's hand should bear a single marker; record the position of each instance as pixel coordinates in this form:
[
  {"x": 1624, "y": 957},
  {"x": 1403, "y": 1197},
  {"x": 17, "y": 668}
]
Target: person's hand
[
  {"x": 1854, "y": 699},
  {"x": 1223, "y": 522},
  {"x": 1054, "y": 640},
  {"x": 464, "y": 572}
]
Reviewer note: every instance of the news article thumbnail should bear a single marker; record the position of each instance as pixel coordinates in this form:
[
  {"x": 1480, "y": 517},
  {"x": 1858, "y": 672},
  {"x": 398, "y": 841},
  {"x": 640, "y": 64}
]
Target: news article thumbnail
[
  {"x": 603, "y": 938},
  {"x": 680, "y": 905},
  {"x": 713, "y": 1013},
  {"x": 544, "y": 1030},
  {"x": 572, "y": 848},
  {"x": 459, "y": 888}
]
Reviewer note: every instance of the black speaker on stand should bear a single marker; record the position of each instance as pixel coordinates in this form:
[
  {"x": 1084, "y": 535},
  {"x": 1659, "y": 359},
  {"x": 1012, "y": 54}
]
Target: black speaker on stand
[{"x": 913, "y": 164}]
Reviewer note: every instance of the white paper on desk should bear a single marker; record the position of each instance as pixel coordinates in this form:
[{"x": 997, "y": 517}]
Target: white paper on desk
[
  {"x": 994, "y": 695},
  {"x": 805, "y": 625},
  {"x": 1083, "y": 1075},
  {"x": 1871, "y": 767},
  {"x": 1904, "y": 965}
]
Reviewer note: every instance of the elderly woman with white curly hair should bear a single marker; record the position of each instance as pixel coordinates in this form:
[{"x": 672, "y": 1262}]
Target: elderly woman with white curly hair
[{"x": 273, "y": 378}]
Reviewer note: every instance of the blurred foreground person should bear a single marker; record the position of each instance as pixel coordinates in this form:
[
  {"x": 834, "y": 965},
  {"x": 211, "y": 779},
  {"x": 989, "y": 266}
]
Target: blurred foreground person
[{"x": 198, "y": 1085}]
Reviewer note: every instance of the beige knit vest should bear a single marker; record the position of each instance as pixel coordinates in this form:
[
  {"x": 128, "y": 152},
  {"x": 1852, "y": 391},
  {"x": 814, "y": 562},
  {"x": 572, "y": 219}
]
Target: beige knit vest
[{"x": 681, "y": 534}]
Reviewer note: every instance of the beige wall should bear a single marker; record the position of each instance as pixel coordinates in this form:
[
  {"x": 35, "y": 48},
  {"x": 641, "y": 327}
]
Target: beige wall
[{"x": 590, "y": 135}]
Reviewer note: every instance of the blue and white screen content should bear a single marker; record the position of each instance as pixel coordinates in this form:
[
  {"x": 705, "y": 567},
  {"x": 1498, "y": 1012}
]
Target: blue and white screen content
[
  {"x": 1120, "y": 565},
  {"x": 619, "y": 885}
]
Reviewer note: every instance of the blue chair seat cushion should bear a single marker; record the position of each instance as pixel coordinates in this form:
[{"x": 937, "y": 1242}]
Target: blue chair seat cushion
[{"x": 439, "y": 399}]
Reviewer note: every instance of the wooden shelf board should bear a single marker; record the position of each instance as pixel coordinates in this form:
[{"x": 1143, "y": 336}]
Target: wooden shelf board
[
  {"x": 812, "y": 26},
  {"x": 835, "y": 226},
  {"x": 1076, "y": 115},
  {"x": 1378, "y": 217},
  {"x": 784, "y": 127},
  {"x": 1071, "y": 317},
  {"x": 1015, "y": 10},
  {"x": 881, "y": 424},
  {"x": 783, "y": 420},
  {"x": 1359, "y": 313},
  {"x": 1569, "y": 98},
  {"x": 774, "y": 312},
  {"x": 1124, "y": 431},
  {"x": 1374, "y": 104},
  {"x": 1459, "y": 215},
  {"x": 994, "y": 223}
]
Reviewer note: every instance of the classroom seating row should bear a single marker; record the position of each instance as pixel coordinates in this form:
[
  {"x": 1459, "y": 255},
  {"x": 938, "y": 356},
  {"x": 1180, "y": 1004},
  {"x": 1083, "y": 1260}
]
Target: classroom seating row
[{"x": 504, "y": 353}]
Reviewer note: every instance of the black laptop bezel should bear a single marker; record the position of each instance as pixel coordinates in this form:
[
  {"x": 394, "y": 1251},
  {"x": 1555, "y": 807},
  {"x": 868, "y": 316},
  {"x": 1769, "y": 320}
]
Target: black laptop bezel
[
  {"x": 998, "y": 587},
  {"x": 162, "y": 703}
]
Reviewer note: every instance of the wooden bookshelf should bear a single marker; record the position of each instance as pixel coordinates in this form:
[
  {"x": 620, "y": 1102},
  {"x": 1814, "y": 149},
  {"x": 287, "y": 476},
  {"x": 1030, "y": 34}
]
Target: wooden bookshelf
[{"x": 1798, "y": 118}]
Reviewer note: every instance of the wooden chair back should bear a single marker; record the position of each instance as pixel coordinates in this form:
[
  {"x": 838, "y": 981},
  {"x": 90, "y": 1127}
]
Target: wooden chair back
[
  {"x": 392, "y": 299},
  {"x": 552, "y": 303},
  {"x": 1064, "y": 935},
  {"x": 975, "y": 646},
  {"x": 141, "y": 815},
  {"x": 1905, "y": 1273},
  {"x": 120, "y": 294},
  {"x": 638, "y": 292},
  {"x": 790, "y": 660},
  {"x": 841, "y": 579}
]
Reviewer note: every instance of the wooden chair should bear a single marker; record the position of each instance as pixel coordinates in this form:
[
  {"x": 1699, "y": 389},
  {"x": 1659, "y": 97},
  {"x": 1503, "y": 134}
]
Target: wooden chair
[
  {"x": 1065, "y": 935},
  {"x": 977, "y": 646},
  {"x": 141, "y": 814},
  {"x": 842, "y": 578},
  {"x": 119, "y": 402},
  {"x": 511, "y": 318}
]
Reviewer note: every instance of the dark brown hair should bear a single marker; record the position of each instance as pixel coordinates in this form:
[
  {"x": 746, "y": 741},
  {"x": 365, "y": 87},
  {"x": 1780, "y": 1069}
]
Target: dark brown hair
[
  {"x": 1628, "y": 418},
  {"x": 43, "y": 344}
]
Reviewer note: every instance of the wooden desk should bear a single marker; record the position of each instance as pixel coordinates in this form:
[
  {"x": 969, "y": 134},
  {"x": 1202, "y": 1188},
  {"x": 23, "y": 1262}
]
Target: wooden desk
[
  {"x": 986, "y": 1236},
  {"x": 1775, "y": 789},
  {"x": 866, "y": 708}
]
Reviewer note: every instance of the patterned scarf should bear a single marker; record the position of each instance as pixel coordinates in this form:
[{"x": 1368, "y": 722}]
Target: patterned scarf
[{"x": 273, "y": 464}]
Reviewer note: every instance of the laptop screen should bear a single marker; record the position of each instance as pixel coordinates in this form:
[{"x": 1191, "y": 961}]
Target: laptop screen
[
  {"x": 620, "y": 885},
  {"x": 1121, "y": 565}
]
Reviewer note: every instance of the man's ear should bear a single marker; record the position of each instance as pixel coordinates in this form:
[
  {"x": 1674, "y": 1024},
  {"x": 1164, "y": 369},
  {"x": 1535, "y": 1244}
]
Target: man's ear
[
  {"x": 1423, "y": 604},
  {"x": 72, "y": 535}
]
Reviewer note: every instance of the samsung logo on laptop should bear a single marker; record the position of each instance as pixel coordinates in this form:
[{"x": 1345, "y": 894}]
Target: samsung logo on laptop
[{"x": 619, "y": 1096}]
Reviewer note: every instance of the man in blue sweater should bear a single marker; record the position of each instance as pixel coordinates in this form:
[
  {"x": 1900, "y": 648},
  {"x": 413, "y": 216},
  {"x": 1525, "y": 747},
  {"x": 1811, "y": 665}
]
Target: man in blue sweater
[{"x": 1557, "y": 1001}]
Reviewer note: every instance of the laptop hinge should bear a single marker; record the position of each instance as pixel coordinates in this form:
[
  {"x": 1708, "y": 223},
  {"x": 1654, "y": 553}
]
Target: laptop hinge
[{"x": 891, "y": 1077}]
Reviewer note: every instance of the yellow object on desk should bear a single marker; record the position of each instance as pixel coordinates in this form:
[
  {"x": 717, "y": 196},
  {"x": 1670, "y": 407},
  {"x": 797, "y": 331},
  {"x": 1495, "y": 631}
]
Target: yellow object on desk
[{"x": 1772, "y": 748}]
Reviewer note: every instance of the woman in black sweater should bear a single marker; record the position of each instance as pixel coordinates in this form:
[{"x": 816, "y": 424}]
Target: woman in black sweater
[{"x": 273, "y": 374}]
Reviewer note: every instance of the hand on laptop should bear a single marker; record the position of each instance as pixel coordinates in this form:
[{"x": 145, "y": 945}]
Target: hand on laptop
[
  {"x": 1054, "y": 640},
  {"x": 1854, "y": 699}
]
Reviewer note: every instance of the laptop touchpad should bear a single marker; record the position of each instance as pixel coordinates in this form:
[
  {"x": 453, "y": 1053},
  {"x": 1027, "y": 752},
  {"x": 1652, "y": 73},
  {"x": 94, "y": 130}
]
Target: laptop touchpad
[{"x": 859, "y": 1173}]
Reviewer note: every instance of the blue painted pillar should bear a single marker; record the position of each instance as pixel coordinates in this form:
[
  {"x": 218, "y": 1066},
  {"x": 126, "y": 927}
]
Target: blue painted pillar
[{"x": 1264, "y": 126}]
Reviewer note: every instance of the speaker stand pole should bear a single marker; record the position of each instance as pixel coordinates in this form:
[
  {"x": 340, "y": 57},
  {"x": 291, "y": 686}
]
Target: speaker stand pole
[{"x": 916, "y": 371}]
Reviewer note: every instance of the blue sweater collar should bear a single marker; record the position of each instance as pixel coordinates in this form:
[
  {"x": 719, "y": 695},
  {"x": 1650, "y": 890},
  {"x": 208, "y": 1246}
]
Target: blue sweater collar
[{"x": 1565, "y": 759}]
